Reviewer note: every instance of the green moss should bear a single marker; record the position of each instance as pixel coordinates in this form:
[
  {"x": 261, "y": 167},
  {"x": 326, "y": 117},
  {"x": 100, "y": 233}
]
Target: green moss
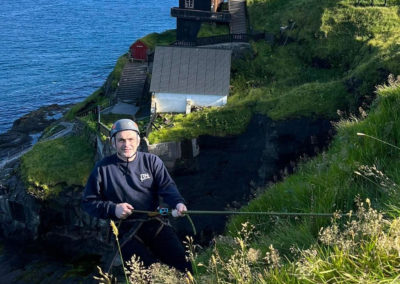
[
  {"x": 97, "y": 98},
  {"x": 211, "y": 121},
  {"x": 116, "y": 73},
  {"x": 54, "y": 164},
  {"x": 51, "y": 130},
  {"x": 208, "y": 29},
  {"x": 312, "y": 99},
  {"x": 164, "y": 38}
]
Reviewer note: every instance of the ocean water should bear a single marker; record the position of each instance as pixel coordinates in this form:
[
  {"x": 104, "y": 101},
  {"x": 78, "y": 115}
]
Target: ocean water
[{"x": 61, "y": 51}]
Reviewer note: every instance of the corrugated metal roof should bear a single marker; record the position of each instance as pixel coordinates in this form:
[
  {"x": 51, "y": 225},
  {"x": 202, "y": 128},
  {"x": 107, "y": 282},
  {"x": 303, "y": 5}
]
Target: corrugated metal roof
[{"x": 185, "y": 70}]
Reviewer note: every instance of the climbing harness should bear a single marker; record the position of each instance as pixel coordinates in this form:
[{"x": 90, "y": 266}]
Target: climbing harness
[{"x": 132, "y": 233}]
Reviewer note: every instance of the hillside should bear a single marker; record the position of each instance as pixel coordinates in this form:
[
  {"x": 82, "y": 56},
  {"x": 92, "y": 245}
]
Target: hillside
[
  {"x": 332, "y": 60},
  {"x": 327, "y": 63}
]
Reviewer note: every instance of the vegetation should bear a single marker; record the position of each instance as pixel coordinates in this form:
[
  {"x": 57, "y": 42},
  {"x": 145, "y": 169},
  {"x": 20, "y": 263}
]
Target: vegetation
[
  {"x": 212, "y": 121},
  {"x": 208, "y": 29},
  {"x": 53, "y": 165},
  {"x": 327, "y": 65},
  {"x": 331, "y": 60},
  {"x": 164, "y": 38},
  {"x": 358, "y": 247},
  {"x": 51, "y": 130}
]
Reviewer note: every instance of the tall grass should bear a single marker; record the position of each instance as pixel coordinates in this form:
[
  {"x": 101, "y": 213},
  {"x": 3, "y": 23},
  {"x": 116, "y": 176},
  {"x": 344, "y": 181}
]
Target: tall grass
[
  {"x": 362, "y": 247},
  {"x": 330, "y": 181}
]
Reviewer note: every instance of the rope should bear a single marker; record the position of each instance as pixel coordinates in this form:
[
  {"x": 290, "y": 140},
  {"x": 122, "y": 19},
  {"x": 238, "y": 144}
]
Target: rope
[
  {"x": 165, "y": 211},
  {"x": 260, "y": 213}
]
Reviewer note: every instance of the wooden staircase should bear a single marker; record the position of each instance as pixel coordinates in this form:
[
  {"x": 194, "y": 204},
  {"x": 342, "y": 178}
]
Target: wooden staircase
[
  {"x": 237, "y": 8},
  {"x": 131, "y": 84}
]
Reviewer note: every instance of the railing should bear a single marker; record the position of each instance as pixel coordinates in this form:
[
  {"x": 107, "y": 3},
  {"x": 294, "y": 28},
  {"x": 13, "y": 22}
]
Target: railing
[
  {"x": 199, "y": 15},
  {"x": 103, "y": 129},
  {"x": 226, "y": 39},
  {"x": 215, "y": 40},
  {"x": 93, "y": 110},
  {"x": 153, "y": 117}
]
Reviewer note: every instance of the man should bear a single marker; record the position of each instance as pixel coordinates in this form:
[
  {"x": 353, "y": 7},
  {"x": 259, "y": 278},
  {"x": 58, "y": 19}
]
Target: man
[{"x": 130, "y": 180}]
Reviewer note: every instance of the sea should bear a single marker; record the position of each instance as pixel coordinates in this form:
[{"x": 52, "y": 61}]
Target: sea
[{"x": 61, "y": 51}]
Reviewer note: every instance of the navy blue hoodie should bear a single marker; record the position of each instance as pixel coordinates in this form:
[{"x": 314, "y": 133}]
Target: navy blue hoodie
[{"x": 139, "y": 183}]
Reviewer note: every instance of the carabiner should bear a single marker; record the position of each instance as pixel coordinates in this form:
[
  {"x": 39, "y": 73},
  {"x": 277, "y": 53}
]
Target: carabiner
[{"x": 163, "y": 211}]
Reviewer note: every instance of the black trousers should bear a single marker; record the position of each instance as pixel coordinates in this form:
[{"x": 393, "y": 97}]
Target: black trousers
[{"x": 154, "y": 245}]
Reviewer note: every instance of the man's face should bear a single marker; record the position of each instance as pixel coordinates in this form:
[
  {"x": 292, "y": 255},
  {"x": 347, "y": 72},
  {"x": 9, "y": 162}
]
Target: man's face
[{"x": 126, "y": 144}]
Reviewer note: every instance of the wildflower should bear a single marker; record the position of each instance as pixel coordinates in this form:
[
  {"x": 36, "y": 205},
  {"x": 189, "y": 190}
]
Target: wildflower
[
  {"x": 114, "y": 228},
  {"x": 272, "y": 257},
  {"x": 190, "y": 277},
  {"x": 253, "y": 255}
]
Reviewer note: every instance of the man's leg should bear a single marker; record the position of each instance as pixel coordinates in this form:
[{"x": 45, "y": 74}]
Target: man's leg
[
  {"x": 134, "y": 246},
  {"x": 169, "y": 249}
]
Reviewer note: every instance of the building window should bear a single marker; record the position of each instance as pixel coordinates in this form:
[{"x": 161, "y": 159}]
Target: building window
[{"x": 189, "y": 4}]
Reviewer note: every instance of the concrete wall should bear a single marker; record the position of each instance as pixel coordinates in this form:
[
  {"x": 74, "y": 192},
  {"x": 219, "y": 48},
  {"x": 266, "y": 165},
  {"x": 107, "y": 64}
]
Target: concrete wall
[{"x": 171, "y": 152}]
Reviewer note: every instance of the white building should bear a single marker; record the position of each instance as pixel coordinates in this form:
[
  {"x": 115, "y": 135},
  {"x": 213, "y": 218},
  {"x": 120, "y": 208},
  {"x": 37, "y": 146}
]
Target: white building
[{"x": 189, "y": 76}]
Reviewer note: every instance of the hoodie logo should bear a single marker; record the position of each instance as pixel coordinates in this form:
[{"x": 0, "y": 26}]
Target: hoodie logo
[{"x": 143, "y": 177}]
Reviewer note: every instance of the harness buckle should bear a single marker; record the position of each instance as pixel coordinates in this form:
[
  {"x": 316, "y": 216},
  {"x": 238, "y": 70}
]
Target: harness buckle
[{"x": 163, "y": 211}]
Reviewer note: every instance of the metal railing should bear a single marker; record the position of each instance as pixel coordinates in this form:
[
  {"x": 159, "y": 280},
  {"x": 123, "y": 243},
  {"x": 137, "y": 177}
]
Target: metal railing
[
  {"x": 103, "y": 129},
  {"x": 199, "y": 15},
  {"x": 93, "y": 110},
  {"x": 221, "y": 39}
]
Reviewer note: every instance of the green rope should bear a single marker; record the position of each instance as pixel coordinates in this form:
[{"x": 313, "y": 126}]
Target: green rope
[
  {"x": 271, "y": 213},
  {"x": 165, "y": 211},
  {"x": 261, "y": 213},
  {"x": 191, "y": 223}
]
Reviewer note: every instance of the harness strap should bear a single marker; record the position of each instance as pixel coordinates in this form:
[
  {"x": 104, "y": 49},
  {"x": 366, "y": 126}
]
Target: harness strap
[{"x": 132, "y": 233}]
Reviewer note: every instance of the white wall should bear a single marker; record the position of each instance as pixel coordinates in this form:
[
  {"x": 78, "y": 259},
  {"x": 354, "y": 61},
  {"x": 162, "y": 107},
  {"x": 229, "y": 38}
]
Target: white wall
[{"x": 177, "y": 102}]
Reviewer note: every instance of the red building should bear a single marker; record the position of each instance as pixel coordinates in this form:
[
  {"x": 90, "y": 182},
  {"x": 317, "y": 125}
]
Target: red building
[{"x": 139, "y": 50}]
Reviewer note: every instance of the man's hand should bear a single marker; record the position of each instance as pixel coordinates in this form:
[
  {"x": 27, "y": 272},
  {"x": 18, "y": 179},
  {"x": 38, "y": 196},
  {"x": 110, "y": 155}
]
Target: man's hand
[
  {"x": 123, "y": 210},
  {"x": 180, "y": 210}
]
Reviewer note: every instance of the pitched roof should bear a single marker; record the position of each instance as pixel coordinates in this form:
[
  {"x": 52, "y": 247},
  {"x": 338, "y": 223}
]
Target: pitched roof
[{"x": 185, "y": 70}]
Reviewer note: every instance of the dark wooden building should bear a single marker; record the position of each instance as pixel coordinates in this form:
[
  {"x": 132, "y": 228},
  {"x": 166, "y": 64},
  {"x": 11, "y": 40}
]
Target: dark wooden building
[{"x": 190, "y": 15}]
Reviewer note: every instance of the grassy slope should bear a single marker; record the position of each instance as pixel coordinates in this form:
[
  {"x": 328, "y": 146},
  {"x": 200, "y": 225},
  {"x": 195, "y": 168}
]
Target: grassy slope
[
  {"x": 334, "y": 57},
  {"x": 360, "y": 45},
  {"x": 355, "y": 42},
  {"x": 52, "y": 165}
]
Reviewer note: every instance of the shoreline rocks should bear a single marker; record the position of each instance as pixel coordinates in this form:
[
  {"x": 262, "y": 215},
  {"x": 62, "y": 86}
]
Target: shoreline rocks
[{"x": 25, "y": 129}]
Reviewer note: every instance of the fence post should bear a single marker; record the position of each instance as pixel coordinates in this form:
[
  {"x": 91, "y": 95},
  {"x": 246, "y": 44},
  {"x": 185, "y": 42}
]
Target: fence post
[{"x": 98, "y": 113}]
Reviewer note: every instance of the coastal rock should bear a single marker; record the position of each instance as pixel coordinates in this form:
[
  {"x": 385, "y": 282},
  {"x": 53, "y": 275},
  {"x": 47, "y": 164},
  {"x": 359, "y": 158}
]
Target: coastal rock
[
  {"x": 38, "y": 120},
  {"x": 25, "y": 129},
  {"x": 58, "y": 223}
]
